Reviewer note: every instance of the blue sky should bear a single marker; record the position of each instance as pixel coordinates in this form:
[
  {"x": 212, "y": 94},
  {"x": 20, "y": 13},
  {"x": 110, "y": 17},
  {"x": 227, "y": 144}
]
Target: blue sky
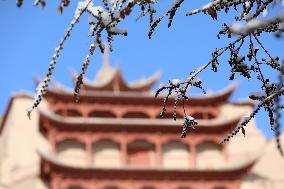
[{"x": 29, "y": 35}]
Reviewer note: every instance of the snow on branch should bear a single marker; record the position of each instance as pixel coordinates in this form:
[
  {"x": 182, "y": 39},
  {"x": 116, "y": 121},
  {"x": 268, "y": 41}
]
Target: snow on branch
[
  {"x": 43, "y": 86},
  {"x": 258, "y": 24},
  {"x": 243, "y": 50},
  {"x": 102, "y": 19}
]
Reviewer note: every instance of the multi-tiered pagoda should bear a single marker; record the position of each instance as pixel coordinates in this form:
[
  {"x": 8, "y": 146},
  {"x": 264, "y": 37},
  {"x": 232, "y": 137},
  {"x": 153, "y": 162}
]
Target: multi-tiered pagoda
[{"x": 114, "y": 139}]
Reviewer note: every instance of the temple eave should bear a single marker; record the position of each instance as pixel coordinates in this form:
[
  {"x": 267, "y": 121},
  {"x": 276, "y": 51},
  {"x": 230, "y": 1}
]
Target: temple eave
[
  {"x": 117, "y": 83},
  {"x": 51, "y": 164},
  {"x": 134, "y": 96},
  {"x": 79, "y": 123}
]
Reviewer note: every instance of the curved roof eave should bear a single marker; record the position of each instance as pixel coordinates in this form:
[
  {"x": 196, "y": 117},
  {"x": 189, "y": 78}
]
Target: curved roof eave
[
  {"x": 97, "y": 85},
  {"x": 145, "y": 84},
  {"x": 231, "y": 170},
  {"x": 117, "y": 78},
  {"x": 222, "y": 96},
  {"x": 213, "y": 123},
  {"x": 224, "y": 93}
]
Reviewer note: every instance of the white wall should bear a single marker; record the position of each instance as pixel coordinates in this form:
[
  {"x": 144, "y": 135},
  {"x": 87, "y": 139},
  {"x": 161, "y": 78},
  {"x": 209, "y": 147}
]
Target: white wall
[
  {"x": 175, "y": 155},
  {"x": 106, "y": 154},
  {"x": 71, "y": 152},
  {"x": 19, "y": 140},
  {"x": 209, "y": 155}
]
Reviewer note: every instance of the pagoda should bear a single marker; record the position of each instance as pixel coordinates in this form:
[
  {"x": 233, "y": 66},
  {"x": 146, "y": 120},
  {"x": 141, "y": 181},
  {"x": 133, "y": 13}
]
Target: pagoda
[{"x": 114, "y": 138}]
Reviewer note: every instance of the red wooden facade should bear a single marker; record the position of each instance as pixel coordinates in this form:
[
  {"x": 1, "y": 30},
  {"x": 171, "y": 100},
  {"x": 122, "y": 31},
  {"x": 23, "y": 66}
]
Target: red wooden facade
[{"x": 128, "y": 116}]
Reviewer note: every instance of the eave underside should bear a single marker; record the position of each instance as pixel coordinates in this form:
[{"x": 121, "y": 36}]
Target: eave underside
[
  {"x": 137, "y": 97},
  {"x": 50, "y": 165},
  {"x": 128, "y": 124}
]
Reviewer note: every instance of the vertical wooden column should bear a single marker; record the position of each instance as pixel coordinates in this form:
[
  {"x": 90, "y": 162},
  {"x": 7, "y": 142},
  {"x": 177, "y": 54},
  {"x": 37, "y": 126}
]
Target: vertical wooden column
[
  {"x": 205, "y": 115},
  {"x": 118, "y": 112},
  {"x": 158, "y": 146},
  {"x": 192, "y": 150},
  {"x": 84, "y": 113},
  {"x": 236, "y": 184},
  {"x": 89, "y": 155},
  {"x": 123, "y": 151},
  {"x": 55, "y": 182},
  {"x": 225, "y": 151},
  {"x": 52, "y": 140},
  {"x": 64, "y": 112}
]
